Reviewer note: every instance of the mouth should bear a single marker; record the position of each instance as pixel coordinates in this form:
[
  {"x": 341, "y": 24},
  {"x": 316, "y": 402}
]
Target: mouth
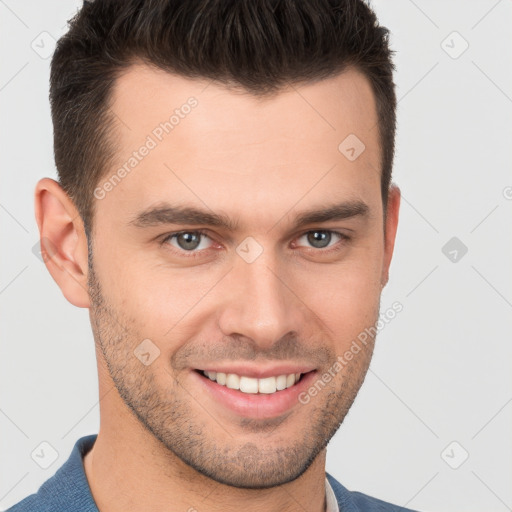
[
  {"x": 259, "y": 395},
  {"x": 252, "y": 385}
]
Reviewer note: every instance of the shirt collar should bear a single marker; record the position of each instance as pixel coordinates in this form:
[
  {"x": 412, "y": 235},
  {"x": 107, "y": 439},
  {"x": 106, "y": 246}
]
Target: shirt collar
[{"x": 331, "y": 503}]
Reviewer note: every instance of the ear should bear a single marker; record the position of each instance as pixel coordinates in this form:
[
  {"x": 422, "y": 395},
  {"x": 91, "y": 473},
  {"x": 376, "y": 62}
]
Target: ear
[
  {"x": 393, "y": 208},
  {"x": 63, "y": 241}
]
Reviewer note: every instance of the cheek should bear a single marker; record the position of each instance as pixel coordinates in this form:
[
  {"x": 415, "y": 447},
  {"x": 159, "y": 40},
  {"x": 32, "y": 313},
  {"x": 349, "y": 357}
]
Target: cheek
[
  {"x": 132, "y": 294},
  {"x": 161, "y": 300},
  {"x": 345, "y": 297}
]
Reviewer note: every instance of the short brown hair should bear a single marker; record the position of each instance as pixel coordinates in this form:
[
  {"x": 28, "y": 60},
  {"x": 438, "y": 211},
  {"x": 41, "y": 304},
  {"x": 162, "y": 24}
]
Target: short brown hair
[{"x": 257, "y": 45}]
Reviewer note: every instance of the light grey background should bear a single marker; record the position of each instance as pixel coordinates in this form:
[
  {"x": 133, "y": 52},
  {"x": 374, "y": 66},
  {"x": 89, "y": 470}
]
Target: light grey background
[{"x": 442, "y": 368}]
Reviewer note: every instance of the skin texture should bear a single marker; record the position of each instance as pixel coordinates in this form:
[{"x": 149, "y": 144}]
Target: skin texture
[{"x": 165, "y": 444}]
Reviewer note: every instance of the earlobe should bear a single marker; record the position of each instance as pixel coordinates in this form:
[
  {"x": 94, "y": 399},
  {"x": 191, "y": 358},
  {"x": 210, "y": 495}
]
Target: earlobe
[
  {"x": 393, "y": 209},
  {"x": 63, "y": 241}
]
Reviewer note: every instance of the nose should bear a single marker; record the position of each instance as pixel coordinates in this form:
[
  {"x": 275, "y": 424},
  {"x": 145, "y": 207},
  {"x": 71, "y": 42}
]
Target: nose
[{"x": 260, "y": 303}]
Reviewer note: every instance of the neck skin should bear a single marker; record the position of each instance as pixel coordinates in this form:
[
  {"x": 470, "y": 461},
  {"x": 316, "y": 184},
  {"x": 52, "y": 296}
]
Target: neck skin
[{"x": 128, "y": 469}]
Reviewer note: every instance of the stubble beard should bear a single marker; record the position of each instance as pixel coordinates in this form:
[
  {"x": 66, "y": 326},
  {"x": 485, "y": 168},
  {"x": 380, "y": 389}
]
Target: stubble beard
[{"x": 195, "y": 437}]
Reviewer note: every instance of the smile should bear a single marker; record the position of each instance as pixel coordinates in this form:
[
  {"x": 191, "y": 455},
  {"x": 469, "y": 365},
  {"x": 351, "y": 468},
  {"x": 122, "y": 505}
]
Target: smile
[
  {"x": 255, "y": 392},
  {"x": 267, "y": 385}
]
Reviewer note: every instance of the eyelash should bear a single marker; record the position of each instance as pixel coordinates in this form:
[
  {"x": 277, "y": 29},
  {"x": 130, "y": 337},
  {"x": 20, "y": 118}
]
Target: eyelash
[{"x": 195, "y": 254}]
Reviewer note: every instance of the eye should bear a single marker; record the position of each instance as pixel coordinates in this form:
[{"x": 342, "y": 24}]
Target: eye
[
  {"x": 188, "y": 241},
  {"x": 192, "y": 243},
  {"x": 322, "y": 238}
]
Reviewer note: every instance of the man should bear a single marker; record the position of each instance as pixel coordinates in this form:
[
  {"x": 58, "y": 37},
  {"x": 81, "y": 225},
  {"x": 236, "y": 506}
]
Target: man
[{"x": 225, "y": 211}]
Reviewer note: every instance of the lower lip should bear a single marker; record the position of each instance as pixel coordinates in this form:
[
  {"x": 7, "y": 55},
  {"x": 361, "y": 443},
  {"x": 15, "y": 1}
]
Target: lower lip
[{"x": 256, "y": 405}]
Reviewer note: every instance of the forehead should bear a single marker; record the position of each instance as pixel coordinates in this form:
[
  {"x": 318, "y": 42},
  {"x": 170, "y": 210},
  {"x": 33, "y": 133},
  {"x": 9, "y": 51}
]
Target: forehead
[
  {"x": 212, "y": 145},
  {"x": 145, "y": 96}
]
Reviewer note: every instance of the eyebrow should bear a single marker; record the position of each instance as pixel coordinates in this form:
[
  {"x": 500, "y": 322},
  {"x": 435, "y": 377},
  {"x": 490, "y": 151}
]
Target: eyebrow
[{"x": 165, "y": 213}]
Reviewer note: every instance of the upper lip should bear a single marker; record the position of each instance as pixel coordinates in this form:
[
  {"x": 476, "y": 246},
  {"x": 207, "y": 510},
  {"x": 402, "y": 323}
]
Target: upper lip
[{"x": 258, "y": 372}]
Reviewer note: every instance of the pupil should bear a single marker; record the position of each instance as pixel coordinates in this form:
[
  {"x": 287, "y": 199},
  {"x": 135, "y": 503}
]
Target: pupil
[
  {"x": 190, "y": 240},
  {"x": 319, "y": 239}
]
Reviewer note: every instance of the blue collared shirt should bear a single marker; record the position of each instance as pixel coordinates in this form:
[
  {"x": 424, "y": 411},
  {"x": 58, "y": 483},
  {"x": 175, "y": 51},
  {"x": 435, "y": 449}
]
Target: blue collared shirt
[{"x": 68, "y": 491}]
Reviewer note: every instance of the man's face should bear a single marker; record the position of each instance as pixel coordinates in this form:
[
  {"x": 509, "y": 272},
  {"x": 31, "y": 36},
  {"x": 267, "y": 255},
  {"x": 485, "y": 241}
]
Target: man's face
[{"x": 261, "y": 297}]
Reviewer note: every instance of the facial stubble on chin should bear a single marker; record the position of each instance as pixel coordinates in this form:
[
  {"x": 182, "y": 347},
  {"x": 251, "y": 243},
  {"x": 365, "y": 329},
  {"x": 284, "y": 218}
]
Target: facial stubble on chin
[{"x": 196, "y": 437}]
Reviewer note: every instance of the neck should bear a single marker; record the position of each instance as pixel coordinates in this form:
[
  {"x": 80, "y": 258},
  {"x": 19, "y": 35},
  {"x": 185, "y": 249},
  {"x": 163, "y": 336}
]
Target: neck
[{"x": 129, "y": 469}]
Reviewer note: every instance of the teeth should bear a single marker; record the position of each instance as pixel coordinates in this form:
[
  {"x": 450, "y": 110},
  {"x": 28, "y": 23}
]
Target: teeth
[
  {"x": 281, "y": 382},
  {"x": 248, "y": 385},
  {"x": 268, "y": 385},
  {"x": 232, "y": 381}
]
